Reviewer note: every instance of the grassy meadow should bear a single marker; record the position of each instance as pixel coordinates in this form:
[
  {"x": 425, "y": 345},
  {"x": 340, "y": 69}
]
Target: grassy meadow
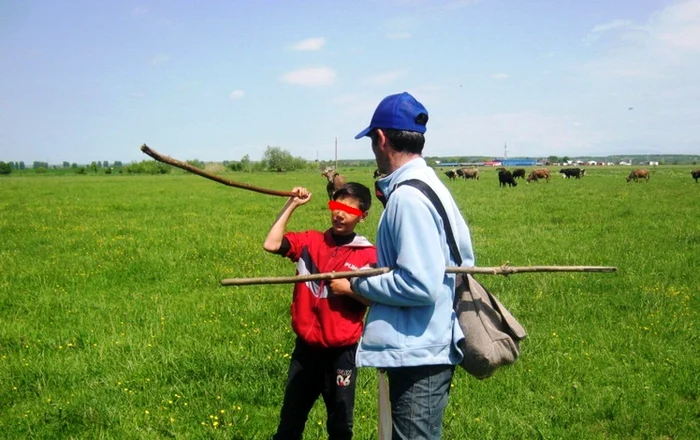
[{"x": 113, "y": 324}]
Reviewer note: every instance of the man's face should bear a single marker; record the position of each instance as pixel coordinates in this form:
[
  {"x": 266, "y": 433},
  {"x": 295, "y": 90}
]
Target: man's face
[{"x": 342, "y": 222}]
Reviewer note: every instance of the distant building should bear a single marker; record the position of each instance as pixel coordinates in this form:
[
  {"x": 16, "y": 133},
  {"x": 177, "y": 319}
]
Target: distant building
[{"x": 515, "y": 162}]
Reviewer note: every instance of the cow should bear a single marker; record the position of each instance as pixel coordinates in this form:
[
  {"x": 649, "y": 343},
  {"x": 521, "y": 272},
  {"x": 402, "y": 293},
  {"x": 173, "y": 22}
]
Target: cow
[
  {"x": 638, "y": 174},
  {"x": 469, "y": 173},
  {"x": 451, "y": 174},
  {"x": 536, "y": 175},
  {"x": 572, "y": 172},
  {"x": 519, "y": 172},
  {"x": 377, "y": 174},
  {"x": 695, "y": 174},
  {"x": 335, "y": 181},
  {"x": 506, "y": 178}
]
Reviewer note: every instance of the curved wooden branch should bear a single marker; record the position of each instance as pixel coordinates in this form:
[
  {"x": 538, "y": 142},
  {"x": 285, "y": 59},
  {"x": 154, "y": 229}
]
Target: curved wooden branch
[
  {"x": 500, "y": 270},
  {"x": 192, "y": 169}
]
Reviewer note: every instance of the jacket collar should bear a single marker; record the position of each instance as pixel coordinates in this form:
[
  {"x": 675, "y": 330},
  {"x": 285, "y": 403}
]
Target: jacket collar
[{"x": 386, "y": 185}]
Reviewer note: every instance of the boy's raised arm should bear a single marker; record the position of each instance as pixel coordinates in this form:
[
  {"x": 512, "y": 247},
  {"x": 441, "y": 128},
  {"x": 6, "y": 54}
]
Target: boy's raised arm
[{"x": 274, "y": 237}]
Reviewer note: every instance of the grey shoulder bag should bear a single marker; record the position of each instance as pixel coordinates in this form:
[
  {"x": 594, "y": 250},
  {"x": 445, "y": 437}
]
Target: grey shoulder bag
[{"x": 491, "y": 334}]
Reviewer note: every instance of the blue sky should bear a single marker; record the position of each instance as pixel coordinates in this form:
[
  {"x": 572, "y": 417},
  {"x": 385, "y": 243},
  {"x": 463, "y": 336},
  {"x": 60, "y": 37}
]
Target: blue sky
[{"x": 88, "y": 80}]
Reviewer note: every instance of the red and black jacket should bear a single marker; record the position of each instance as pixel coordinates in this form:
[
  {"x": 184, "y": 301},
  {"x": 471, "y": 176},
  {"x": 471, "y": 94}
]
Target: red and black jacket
[{"x": 320, "y": 318}]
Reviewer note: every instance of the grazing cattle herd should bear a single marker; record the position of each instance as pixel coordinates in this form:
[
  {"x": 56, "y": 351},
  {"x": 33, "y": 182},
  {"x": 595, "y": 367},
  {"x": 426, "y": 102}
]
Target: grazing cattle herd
[
  {"x": 507, "y": 178},
  {"x": 464, "y": 173}
]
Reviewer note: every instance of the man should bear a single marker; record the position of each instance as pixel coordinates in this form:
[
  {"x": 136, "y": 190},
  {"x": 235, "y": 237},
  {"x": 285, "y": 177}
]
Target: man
[{"x": 411, "y": 329}]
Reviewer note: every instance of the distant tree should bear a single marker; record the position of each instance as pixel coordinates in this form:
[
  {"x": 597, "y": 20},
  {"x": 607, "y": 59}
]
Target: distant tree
[
  {"x": 105, "y": 164},
  {"x": 74, "y": 165},
  {"x": 5, "y": 168},
  {"x": 245, "y": 164},
  {"x": 93, "y": 167},
  {"x": 565, "y": 159},
  {"x": 117, "y": 163},
  {"x": 21, "y": 165},
  {"x": 553, "y": 159},
  {"x": 277, "y": 159},
  {"x": 197, "y": 163},
  {"x": 66, "y": 164}
]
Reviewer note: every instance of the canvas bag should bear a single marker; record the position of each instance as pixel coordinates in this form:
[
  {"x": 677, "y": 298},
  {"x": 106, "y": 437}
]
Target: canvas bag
[{"x": 491, "y": 334}]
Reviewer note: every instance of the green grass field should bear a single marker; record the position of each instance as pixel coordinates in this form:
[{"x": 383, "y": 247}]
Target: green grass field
[{"x": 113, "y": 324}]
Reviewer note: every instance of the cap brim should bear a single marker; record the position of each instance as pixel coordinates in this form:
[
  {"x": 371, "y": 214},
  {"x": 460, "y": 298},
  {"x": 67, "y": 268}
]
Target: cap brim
[{"x": 364, "y": 133}]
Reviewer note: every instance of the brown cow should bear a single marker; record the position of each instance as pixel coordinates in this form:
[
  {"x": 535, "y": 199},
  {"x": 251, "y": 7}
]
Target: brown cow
[
  {"x": 638, "y": 174},
  {"x": 696, "y": 175},
  {"x": 536, "y": 175},
  {"x": 335, "y": 181},
  {"x": 469, "y": 173}
]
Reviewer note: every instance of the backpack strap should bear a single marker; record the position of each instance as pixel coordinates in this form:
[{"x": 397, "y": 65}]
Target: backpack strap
[{"x": 430, "y": 194}]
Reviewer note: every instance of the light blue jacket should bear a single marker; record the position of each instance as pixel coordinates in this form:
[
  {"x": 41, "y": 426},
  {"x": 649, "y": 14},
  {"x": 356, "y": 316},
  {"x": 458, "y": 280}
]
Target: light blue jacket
[{"x": 412, "y": 321}]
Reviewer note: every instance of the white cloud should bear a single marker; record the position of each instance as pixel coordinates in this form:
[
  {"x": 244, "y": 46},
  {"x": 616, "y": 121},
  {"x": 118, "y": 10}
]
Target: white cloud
[
  {"x": 312, "y": 76},
  {"x": 384, "y": 78},
  {"x": 310, "y": 44},
  {"x": 615, "y": 24},
  {"x": 500, "y": 76},
  {"x": 160, "y": 59},
  {"x": 236, "y": 94},
  {"x": 679, "y": 25},
  {"x": 599, "y": 31}
]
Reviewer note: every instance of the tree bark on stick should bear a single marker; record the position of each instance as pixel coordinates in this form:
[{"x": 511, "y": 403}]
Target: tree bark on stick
[
  {"x": 192, "y": 169},
  {"x": 499, "y": 270}
]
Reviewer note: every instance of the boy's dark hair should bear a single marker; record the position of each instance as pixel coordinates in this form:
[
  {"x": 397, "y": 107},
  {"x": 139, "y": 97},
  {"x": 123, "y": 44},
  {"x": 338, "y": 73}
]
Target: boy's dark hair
[
  {"x": 402, "y": 140},
  {"x": 356, "y": 191}
]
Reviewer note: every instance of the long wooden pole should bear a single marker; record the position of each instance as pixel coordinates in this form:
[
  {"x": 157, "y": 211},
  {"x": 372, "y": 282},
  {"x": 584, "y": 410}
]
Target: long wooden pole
[
  {"x": 500, "y": 270},
  {"x": 192, "y": 169}
]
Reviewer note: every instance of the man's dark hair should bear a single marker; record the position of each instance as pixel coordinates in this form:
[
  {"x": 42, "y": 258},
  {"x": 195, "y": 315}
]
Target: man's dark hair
[
  {"x": 356, "y": 191},
  {"x": 403, "y": 141}
]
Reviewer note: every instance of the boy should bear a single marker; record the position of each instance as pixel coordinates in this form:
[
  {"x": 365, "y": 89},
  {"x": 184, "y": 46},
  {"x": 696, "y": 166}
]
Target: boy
[{"x": 327, "y": 326}]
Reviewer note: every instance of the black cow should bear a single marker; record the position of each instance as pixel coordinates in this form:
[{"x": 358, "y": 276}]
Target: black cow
[
  {"x": 377, "y": 174},
  {"x": 452, "y": 175},
  {"x": 572, "y": 172},
  {"x": 519, "y": 172},
  {"x": 696, "y": 175},
  {"x": 506, "y": 178}
]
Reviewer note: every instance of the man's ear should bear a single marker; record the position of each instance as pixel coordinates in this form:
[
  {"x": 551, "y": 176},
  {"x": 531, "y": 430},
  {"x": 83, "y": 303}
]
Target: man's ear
[
  {"x": 381, "y": 137},
  {"x": 364, "y": 216}
]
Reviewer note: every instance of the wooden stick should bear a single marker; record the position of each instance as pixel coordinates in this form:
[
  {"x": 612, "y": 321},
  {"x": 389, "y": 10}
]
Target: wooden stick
[
  {"x": 192, "y": 169},
  {"x": 501, "y": 270}
]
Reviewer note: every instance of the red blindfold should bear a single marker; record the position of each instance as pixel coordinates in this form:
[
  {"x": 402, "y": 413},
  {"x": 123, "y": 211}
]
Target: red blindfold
[{"x": 337, "y": 206}]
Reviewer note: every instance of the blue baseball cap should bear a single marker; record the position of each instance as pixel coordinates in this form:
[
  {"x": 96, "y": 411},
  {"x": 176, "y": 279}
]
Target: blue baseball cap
[{"x": 398, "y": 112}]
